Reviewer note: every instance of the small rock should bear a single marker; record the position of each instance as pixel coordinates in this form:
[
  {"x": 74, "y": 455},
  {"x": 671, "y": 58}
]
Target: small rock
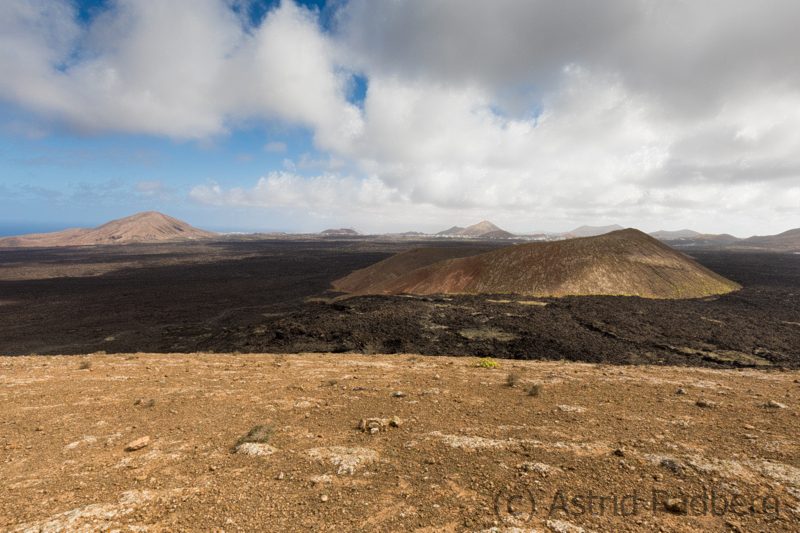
[
  {"x": 323, "y": 498},
  {"x": 539, "y": 468},
  {"x": 280, "y": 476},
  {"x": 39, "y": 428},
  {"x": 371, "y": 425},
  {"x": 137, "y": 444},
  {"x": 733, "y": 526},
  {"x": 681, "y": 391},
  {"x": 674, "y": 505},
  {"x": 255, "y": 449},
  {"x": 672, "y": 465},
  {"x": 705, "y": 404},
  {"x": 748, "y": 427},
  {"x": 398, "y": 394},
  {"x": 772, "y": 404},
  {"x": 571, "y": 408},
  {"x": 376, "y": 425},
  {"x": 619, "y": 452}
]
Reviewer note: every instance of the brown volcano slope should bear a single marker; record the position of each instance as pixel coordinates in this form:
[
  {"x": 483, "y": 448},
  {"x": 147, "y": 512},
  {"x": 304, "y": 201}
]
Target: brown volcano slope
[
  {"x": 374, "y": 277},
  {"x": 626, "y": 262},
  {"x": 149, "y": 226}
]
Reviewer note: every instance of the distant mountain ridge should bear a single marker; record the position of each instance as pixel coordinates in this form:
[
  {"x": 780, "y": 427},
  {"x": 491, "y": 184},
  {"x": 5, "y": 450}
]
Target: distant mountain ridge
[
  {"x": 788, "y": 241},
  {"x": 483, "y": 229},
  {"x": 340, "y": 231},
  {"x": 666, "y": 235},
  {"x": 149, "y": 226},
  {"x": 592, "y": 231}
]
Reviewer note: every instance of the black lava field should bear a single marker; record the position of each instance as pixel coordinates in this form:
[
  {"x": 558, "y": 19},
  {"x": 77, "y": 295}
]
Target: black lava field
[{"x": 272, "y": 296}]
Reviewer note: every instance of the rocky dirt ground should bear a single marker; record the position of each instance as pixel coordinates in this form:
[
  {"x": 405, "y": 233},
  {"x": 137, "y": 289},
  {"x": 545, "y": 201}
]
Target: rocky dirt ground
[{"x": 149, "y": 443}]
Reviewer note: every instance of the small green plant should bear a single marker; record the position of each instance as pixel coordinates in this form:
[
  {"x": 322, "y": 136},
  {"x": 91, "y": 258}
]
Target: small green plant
[
  {"x": 85, "y": 365},
  {"x": 534, "y": 390},
  {"x": 487, "y": 362},
  {"x": 258, "y": 434},
  {"x": 512, "y": 379}
]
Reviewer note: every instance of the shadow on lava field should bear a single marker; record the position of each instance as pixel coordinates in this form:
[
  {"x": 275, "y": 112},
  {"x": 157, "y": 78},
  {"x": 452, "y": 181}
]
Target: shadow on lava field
[{"x": 271, "y": 296}]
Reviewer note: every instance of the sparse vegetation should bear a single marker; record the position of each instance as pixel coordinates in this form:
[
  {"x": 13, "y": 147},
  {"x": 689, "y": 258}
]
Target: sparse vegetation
[
  {"x": 487, "y": 362},
  {"x": 512, "y": 379},
  {"x": 258, "y": 434},
  {"x": 534, "y": 390}
]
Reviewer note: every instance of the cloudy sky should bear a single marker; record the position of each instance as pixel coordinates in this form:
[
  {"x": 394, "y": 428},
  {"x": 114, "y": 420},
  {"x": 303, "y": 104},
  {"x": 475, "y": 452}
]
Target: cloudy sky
[{"x": 393, "y": 115}]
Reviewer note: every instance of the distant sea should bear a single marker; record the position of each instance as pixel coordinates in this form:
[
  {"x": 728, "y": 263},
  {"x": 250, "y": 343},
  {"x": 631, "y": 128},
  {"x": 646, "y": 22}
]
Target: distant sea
[{"x": 10, "y": 229}]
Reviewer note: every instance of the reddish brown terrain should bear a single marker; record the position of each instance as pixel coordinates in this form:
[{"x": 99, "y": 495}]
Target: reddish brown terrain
[
  {"x": 623, "y": 263},
  {"x": 149, "y": 443},
  {"x": 147, "y": 227},
  {"x": 388, "y": 270}
]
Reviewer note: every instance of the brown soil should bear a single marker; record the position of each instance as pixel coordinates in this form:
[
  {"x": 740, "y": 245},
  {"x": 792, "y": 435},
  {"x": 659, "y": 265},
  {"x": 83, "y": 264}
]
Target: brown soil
[
  {"x": 453, "y": 444},
  {"x": 621, "y": 263}
]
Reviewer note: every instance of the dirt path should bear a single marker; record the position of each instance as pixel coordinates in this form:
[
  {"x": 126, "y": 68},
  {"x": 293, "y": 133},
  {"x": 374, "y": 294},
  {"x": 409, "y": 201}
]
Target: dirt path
[{"x": 453, "y": 447}]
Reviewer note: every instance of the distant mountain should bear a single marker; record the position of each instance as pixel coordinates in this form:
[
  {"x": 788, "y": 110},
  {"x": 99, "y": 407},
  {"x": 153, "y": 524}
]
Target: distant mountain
[
  {"x": 455, "y": 230},
  {"x": 483, "y": 230},
  {"x": 710, "y": 240},
  {"x": 592, "y": 231},
  {"x": 788, "y": 241},
  {"x": 340, "y": 232},
  {"x": 621, "y": 263},
  {"x": 674, "y": 235},
  {"x": 149, "y": 226}
]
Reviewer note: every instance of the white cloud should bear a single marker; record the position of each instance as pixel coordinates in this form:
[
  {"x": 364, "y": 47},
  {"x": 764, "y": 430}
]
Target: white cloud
[
  {"x": 284, "y": 189},
  {"x": 535, "y": 114},
  {"x": 183, "y": 69}
]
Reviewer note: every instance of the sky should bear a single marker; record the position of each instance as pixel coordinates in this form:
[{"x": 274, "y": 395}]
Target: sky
[{"x": 539, "y": 115}]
